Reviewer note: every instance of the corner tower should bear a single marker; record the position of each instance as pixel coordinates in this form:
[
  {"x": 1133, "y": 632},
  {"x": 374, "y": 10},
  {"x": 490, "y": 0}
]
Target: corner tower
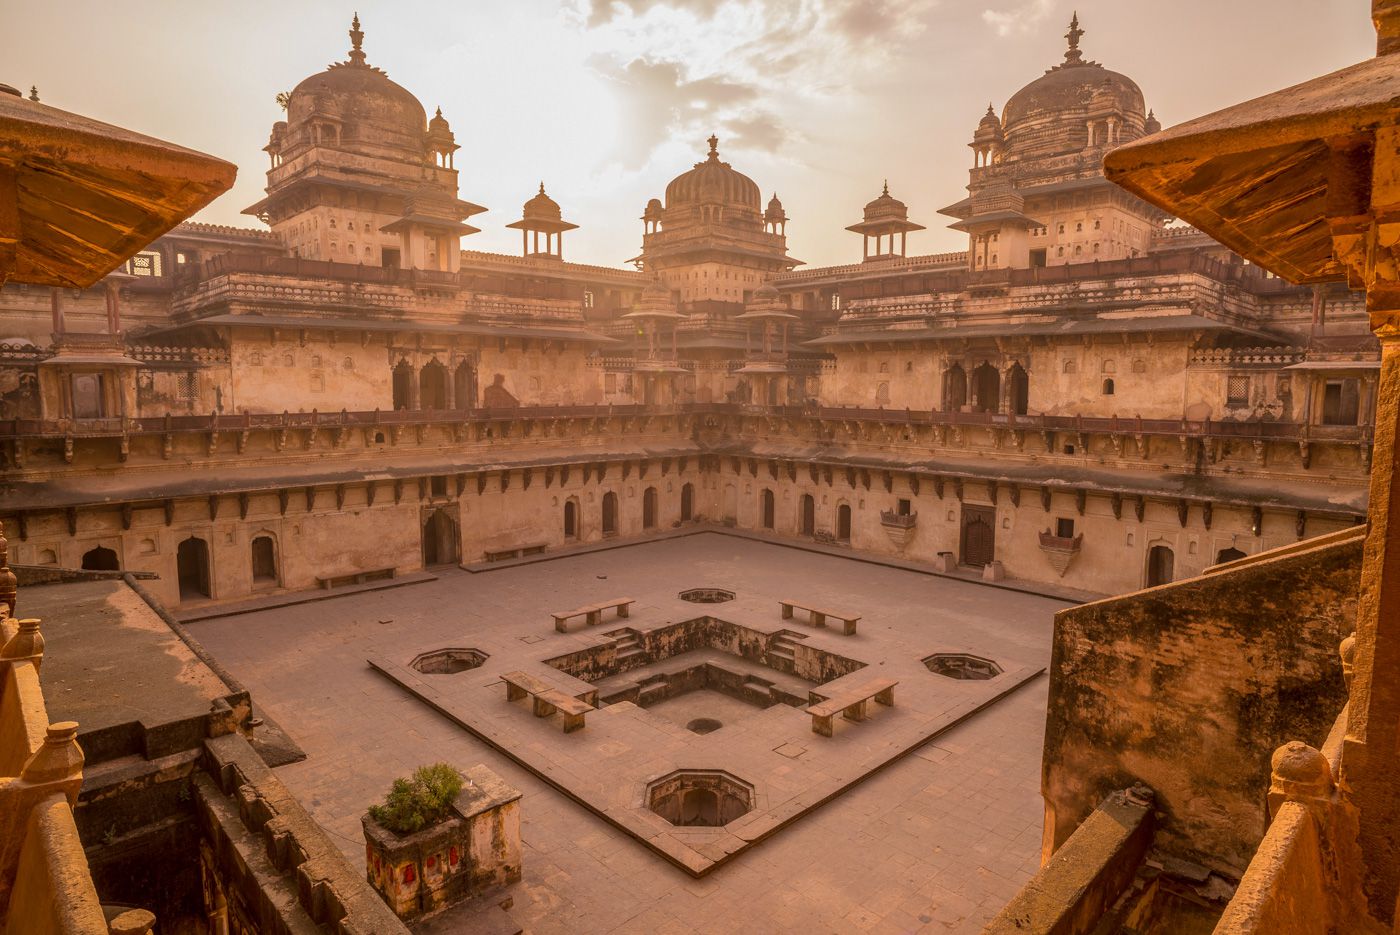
[
  {"x": 1036, "y": 193},
  {"x": 359, "y": 175}
]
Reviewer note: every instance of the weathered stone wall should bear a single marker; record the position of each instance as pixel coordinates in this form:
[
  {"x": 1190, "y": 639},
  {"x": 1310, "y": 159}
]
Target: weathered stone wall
[{"x": 1190, "y": 687}]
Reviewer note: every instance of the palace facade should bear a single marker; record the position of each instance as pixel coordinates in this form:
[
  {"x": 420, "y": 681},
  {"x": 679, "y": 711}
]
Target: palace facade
[{"x": 1090, "y": 396}]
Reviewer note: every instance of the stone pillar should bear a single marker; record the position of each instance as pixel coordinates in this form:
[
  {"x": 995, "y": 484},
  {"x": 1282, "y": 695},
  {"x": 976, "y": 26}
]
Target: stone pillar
[{"x": 1364, "y": 210}]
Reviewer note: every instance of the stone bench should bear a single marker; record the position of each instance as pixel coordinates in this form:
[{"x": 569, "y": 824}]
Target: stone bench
[
  {"x": 818, "y": 616},
  {"x": 850, "y": 703},
  {"x": 520, "y": 551},
  {"x": 547, "y": 698},
  {"x": 359, "y": 577},
  {"x": 592, "y": 612}
]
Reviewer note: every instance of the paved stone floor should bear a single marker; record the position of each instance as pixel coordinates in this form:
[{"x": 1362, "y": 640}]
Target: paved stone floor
[{"x": 936, "y": 842}]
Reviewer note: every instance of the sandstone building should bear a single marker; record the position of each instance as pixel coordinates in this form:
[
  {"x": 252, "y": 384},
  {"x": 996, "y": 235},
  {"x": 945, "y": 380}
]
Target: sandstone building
[{"x": 1088, "y": 396}]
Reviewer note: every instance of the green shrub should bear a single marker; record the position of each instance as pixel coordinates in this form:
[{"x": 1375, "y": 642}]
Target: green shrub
[{"x": 419, "y": 801}]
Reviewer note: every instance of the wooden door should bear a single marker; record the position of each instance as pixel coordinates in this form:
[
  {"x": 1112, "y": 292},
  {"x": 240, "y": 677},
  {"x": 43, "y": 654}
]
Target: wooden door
[{"x": 978, "y": 535}]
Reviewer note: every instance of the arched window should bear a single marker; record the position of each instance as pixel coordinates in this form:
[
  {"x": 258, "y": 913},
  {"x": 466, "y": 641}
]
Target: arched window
[
  {"x": 403, "y": 385},
  {"x": 432, "y": 386},
  {"x": 609, "y": 514},
  {"x": 1109, "y": 366},
  {"x": 100, "y": 559},
  {"x": 264, "y": 560},
  {"x": 1070, "y": 367},
  {"x": 954, "y": 388},
  {"x": 1108, "y": 387}
]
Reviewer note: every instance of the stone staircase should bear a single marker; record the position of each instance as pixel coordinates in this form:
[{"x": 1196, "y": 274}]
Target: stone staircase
[{"x": 629, "y": 647}]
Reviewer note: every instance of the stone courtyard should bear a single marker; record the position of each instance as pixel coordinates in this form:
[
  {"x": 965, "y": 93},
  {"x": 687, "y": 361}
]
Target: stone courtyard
[{"x": 937, "y": 840}]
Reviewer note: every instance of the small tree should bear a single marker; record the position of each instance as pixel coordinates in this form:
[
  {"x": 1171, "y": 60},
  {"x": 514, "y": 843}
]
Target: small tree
[{"x": 416, "y": 802}]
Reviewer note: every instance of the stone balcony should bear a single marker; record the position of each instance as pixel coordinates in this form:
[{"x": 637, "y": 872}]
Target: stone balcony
[{"x": 899, "y": 526}]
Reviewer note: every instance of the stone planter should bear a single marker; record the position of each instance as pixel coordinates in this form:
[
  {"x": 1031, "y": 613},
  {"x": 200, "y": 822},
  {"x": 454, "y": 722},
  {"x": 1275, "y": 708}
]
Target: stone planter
[{"x": 475, "y": 850}]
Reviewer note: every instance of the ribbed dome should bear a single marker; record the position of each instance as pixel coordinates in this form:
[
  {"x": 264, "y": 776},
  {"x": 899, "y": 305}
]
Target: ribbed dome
[
  {"x": 886, "y": 207},
  {"x": 1052, "y": 108},
  {"x": 542, "y": 207},
  {"x": 362, "y": 98},
  {"x": 714, "y": 182}
]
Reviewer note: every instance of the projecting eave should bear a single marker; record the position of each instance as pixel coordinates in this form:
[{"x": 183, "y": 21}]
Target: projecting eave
[
  {"x": 79, "y": 197},
  {"x": 1156, "y": 325},
  {"x": 958, "y": 209},
  {"x": 996, "y": 219},
  {"x": 1255, "y": 176},
  {"x": 429, "y": 222},
  {"x": 381, "y": 325}
]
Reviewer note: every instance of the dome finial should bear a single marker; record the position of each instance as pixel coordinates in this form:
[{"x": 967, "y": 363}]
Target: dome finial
[
  {"x": 357, "y": 56},
  {"x": 34, "y": 92},
  {"x": 541, "y": 186},
  {"x": 1072, "y": 55},
  {"x": 887, "y": 187},
  {"x": 714, "y": 146}
]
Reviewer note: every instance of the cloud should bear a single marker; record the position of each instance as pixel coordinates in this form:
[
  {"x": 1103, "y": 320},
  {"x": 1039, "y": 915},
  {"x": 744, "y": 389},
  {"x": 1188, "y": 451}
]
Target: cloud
[
  {"x": 1019, "y": 19},
  {"x": 684, "y": 68}
]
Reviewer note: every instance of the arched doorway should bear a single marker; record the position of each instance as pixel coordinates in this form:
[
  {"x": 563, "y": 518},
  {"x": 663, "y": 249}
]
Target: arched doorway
[
  {"x": 978, "y": 535},
  {"x": 100, "y": 559},
  {"x": 609, "y": 514},
  {"x": 700, "y": 809},
  {"x": 464, "y": 385},
  {"x": 1020, "y": 390},
  {"x": 264, "y": 553},
  {"x": 809, "y": 515},
  {"x": 843, "y": 523},
  {"x": 767, "y": 509},
  {"x": 954, "y": 388},
  {"x": 687, "y": 503},
  {"x": 1161, "y": 562},
  {"x": 986, "y": 389},
  {"x": 570, "y": 519},
  {"x": 649, "y": 508},
  {"x": 432, "y": 386},
  {"x": 192, "y": 568},
  {"x": 1228, "y": 555},
  {"x": 439, "y": 539},
  {"x": 403, "y": 385}
]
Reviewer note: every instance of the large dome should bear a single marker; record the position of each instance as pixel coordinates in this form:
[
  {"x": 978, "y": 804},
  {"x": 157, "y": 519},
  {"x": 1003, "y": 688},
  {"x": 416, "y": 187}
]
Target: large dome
[
  {"x": 714, "y": 182},
  {"x": 362, "y": 102},
  {"x": 1050, "y": 114}
]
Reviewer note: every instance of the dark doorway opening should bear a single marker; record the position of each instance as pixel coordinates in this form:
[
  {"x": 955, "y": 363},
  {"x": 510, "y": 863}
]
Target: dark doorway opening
[
  {"x": 809, "y": 515},
  {"x": 978, "y": 535},
  {"x": 610, "y": 514},
  {"x": 843, "y": 523},
  {"x": 464, "y": 385},
  {"x": 986, "y": 387},
  {"x": 1020, "y": 390},
  {"x": 687, "y": 503},
  {"x": 100, "y": 559},
  {"x": 570, "y": 519},
  {"x": 768, "y": 509},
  {"x": 1228, "y": 555},
  {"x": 954, "y": 389},
  {"x": 192, "y": 568},
  {"x": 440, "y": 539},
  {"x": 403, "y": 385},
  {"x": 1161, "y": 562},
  {"x": 432, "y": 386},
  {"x": 264, "y": 560},
  {"x": 649, "y": 508}
]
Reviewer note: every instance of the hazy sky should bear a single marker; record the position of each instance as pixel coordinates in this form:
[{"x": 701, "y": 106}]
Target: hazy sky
[{"x": 818, "y": 100}]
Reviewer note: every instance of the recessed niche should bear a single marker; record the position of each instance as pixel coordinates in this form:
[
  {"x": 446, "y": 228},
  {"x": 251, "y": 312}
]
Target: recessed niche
[
  {"x": 696, "y": 798},
  {"x": 707, "y": 595},
  {"x": 704, "y": 725},
  {"x": 962, "y": 666},
  {"x": 448, "y": 661}
]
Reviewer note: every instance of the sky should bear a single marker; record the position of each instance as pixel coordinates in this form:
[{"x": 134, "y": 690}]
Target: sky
[{"x": 605, "y": 101}]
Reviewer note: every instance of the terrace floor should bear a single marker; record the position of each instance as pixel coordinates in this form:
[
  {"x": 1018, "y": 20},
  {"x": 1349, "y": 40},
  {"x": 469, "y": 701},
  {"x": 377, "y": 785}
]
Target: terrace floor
[{"x": 936, "y": 841}]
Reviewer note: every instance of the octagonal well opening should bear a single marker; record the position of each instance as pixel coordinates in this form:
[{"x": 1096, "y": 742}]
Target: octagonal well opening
[
  {"x": 448, "y": 661},
  {"x": 700, "y": 798},
  {"x": 707, "y": 595},
  {"x": 963, "y": 666}
]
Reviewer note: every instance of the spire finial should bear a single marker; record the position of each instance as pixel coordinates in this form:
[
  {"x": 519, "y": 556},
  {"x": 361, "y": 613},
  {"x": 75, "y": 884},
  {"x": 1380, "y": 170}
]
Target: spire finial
[
  {"x": 1072, "y": 55},
  {"x": 439, "y": 110},
  {"x": 887, "y": 188},
  {"x": 714, "y": 146},
  {"x": 34, "y": 92},
  {"x": 541, "y": 187},
  {"x": 357, "y": 56}
]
